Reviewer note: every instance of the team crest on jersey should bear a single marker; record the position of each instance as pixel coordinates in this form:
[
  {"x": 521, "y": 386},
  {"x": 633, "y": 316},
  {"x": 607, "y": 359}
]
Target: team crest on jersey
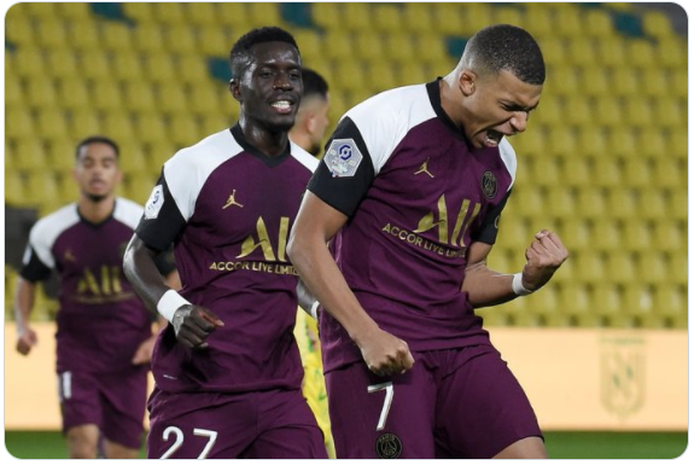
[
  {"x": 388, "y": 446},
  {"x": 154, "y": 203},
  {"x": 343, "y": 158},
  {"x": 489, "y": 184}
]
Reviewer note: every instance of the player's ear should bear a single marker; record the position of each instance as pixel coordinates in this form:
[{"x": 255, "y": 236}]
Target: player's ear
[
  {"x": 234, "y": 86},
  {"x": 467, "y": 82}
]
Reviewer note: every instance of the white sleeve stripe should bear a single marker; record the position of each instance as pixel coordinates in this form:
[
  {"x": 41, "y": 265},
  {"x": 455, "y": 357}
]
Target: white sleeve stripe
[
  {"x": 47, "y": 230},
  {"x": 509, "y": 159},
  {"x": 188, "y": 171},
  {"x": 303, "y": 157},
  {"x": 385, "y": 119},
  {"x": 128, "y": 212}
]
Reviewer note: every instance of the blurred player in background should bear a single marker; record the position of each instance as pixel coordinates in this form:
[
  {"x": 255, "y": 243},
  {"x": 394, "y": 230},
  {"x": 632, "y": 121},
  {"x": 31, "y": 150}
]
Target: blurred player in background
[
  {"x": 308, "y": 132},
  {"x": 105, "y": 337},
  {"x": 227, "y": 370},
  {"x": 411, "y": 190}
]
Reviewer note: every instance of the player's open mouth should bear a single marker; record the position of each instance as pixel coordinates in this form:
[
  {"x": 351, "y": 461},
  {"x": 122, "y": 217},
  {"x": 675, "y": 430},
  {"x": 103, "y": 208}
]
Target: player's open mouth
[
  {"x": 493, "y": 138},
  {"x": 283, "y": 107}
]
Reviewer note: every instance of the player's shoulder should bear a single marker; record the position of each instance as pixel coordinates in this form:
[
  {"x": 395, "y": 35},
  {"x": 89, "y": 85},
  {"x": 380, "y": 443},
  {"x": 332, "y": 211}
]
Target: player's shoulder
[
  {"x": 212, "y": 149},
  {"x": 128, "y": 212},
  {"x": 398, "y": 103},
  {"x": 52, "y": 225},
  {"x": 304, "y": 157},
  {"x": 508, "y": 157}
]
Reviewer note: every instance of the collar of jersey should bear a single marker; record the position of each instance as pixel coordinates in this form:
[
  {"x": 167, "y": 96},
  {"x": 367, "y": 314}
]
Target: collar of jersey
[
  {"x": 434, "y": 96},
  {"x": 237, "y": 134}
]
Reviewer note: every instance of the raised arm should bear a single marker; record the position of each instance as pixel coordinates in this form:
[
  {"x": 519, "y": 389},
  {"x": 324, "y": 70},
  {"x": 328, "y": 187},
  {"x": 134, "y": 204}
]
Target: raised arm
[
  {"x": 487, "y": 287},
  {"x": 317, "y": 223}
]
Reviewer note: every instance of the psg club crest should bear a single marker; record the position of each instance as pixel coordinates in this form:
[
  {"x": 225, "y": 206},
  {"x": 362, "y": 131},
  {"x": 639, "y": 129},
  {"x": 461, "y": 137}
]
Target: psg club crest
[
  {"x": 623, "y": 375},
  {"x": 489, "y": 184},
  {"x": 388, "y": 446},
  {"x": 343, "y": 158}
]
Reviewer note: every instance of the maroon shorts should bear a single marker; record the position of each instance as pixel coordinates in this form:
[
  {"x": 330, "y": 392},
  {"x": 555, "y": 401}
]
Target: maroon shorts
[
  {"x": 269, "y": 424},
  {"x": 453, "y": 403},
  {"x": 115, "y": 402}
]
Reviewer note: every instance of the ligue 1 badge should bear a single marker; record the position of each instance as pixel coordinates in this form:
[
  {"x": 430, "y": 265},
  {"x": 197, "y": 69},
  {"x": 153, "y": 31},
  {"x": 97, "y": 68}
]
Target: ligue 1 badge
[{"x": 343, "y": 158}]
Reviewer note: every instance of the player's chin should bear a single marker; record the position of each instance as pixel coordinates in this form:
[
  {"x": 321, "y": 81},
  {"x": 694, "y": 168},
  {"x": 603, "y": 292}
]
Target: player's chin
[{"x": 281, "y": 123}]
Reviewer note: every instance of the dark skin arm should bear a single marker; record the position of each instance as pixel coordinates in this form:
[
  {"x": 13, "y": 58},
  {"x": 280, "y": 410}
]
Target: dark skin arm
[
  {"x": 192, "y": 324},
  {"x": 487, "y": 287},
  {"x": 316, "y": 223}
]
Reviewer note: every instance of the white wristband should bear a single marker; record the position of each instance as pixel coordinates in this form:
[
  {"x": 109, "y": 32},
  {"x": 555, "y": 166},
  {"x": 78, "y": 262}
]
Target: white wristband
[
  {"x": 170, "y": 302},
  {"x": 518, "y": 287},
  {"x": 314, "y": 310}
]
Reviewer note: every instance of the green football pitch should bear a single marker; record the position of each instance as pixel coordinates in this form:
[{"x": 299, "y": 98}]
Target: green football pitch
[{"x": 562, "y": 445}]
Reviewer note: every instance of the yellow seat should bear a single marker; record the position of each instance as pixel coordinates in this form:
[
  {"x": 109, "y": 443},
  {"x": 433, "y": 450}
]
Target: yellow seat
[
  {"x": 637, "y": 173},
  {"x": 116, "y": 36},
  {"x": 654, "y": 83},
  {"x": 669, "y": 237},
  {"x": 61, "y": 152},
  {"x": 546, "y": 172},
  {"x": 538, "y": 20},
  {"x": 657, "y": 24},
  {"x": 670, "y": 113},
  {"x": 507, "y": 15},
  {"x": 118, "y": 125},
  {"x": 171, "y": 98},
  {"x": 589, "y": 267},
  {"x": 30, "y": 155},
  {"x": 138, "y": 96},
  {"x": 625, "y": 82},
  {"x": 673, "y": 55},
  {"x": 29, "y": 63},
  {"x": 530, "y": 201},
  {"x": 14, "y": 94},
  {"x": 62, "y": 63},
  {"x": 606, "y": 300},
  {"x": 562, "y": 143},
  {"x": 578, "y": 110},
  {"x": 264, "y": 14},
  {"x": 40, "y": 93},
  {"x": 84, "y": 35},
  {"x": 623, "y": 143},
  {"x": 138, "y": 186},
  {"x": 106, "y": 96},
  {"x": 94, "y": 65},
  {"x": 370, "y": 47},
  {"x": 15, "y": 192},
  {"x": 449, "y": 20},
  {"x": 142, "y": 13},
  {"x": 381, "y": 77},
  {"x": 550, "y": 113},
  {"x": 183, "y": 130},
  {"x": 641, "y": 53},
  {"x": 553, "y": 48},
  {"x": 200, "y": 14},
  {"x": 148, "y": 38},
  {"x": 169, "y": 13},
  {"x": 350, "y": 75},
  {"x": 213, "y": 42},
  {"x": 128, "y": 67},
  {"x": 621, "y": 203},
  {"x": 150, "y": 127},
  {"x": 581, "y": 51},
  {"x": 576, "y": 235},
  {"x": 636, "y": 235},
  {"x": 357, "y": 17},
  {"x": 77, "y": 11},
  {"x": 386, "y": 18},
  {"x": 310, "y": 44},
  {"x": 671, "y": 300},
  {"x": 598, "y": 23},
  {"x": 192, "y": 69},
  {"x": 678, "y": 268},
  {"x": 652, "y": 204},
  {"x": 417, "y": 18},
  {"x": 19, "y": 123},
  {"x": 42, "y": 190},
  {"x": 39, "y": 10},
  {"x": 84, "y": 123},
  {"x": 327, "y": 16},
  {"x": 204, "y": 100},
  {"x": 576, "y": 170},
  {"x": 160, "y": 68},
  {"x": 560, "y": 202},
  {"x": 620, "y": 267},
  {"x": 19, "y": 29},
  {"x": 52, "y": 123},
  {"x": 638, "y": 113},
  {"x": 670, "y": 173},
  {"x": 592, "y": 143},
  {"x": 595, "y": 81},
  {"x": 605, "y": 235},
  {"x": 590, "y": 203},
  {"x": 652, "y": 268},
  {"x": 51, "y": 33},
  {"x": 678, "y": 144},
  {"x": 430, "y": 48},
  {"x": 652, "y": 144},
  {"x": 211, "y": 123},
  {"x": 611, "y": 53},
  {"x": 181, "y": 39},
  {"x": 567, "y": 21},
  {"x": 132, "y": 158}
]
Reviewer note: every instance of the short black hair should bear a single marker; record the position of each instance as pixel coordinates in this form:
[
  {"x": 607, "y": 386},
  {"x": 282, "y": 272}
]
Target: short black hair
[
  {"x": 240, "y": 53},
  {"x": 96, "y": 140},
  {"x": 505, "y": 47},
  {"x": 314, "y": 83}
]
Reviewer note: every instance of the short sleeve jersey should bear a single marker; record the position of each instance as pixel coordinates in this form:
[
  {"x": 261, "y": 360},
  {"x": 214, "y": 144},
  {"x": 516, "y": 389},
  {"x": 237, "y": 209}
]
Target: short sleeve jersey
[
  {"x": 101, "y": 321},
  {"x": 417, "y": 195},
  {"x": 228, "y": 209}
]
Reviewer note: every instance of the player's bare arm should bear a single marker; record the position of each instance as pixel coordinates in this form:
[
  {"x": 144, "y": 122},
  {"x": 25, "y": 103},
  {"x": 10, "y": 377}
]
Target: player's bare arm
[
  {"x": 316, "y": 223},
  {"x": 24, "y": 303},
  {"x": 192, "y": 323},
  {"x": 488, "y": 287}
]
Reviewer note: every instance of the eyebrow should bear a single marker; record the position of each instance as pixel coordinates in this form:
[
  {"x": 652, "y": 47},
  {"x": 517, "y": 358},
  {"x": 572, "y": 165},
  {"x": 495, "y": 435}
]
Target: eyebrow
[{"x": 518, "y": 107}]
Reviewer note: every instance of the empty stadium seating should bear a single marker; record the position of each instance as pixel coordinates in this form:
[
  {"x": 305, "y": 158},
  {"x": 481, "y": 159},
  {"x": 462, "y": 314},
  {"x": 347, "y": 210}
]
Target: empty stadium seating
[{"x": 604, "y": 160}]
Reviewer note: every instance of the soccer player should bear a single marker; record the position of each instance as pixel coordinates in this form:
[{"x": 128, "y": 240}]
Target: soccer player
[
  {"x": 227, "y": 369},
  {"x": 312, "y": 118},
  {"x": 105, "y": 338},
  {"x": 411, "y": 189},
  {"x": 308, "y": 132}
]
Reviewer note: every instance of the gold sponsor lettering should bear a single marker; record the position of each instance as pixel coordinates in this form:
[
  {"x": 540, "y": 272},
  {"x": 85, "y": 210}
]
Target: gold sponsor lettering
[
  {"x": 256, "y": 267},
  {"x": 428, "y": 221},
  {"x": 420, "y": 242},
  {"x": 109, "y": 284},
  {"x": 251, "y": 244},
  {"x": 459, "y": 231}
]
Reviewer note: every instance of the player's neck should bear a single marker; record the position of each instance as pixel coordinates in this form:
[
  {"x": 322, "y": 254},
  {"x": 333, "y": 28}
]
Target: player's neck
[
  {"x": 96, "y": 211},
  {"x": 270, "y": 143}
]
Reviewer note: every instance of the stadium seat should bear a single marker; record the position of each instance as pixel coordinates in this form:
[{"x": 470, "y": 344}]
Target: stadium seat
[
  {"x": 623, "y": 144},
  {"x": 595, "y": 81},
  {"x": 581, "y": 51},
  {"x": 559, "y": 202},
  {"x": 636, "y": 235},
  {"x": 504, "y": 14},
  {"x": 356, "y": 17},
  {"x": 657, "y": 24},
  {"x": 448, "y": 20},
  {"x": 671, "y": 302},
  {"x": 150, "y": 127},
  {"x": 652, "y": 144},
  {"x": 62, "y": 63},
  {"x": 553, "y": 48},
  {"x": 589, "y": 266},
  {"x": 40, "y": 93},
  {"x": 51, "y": 32},
  {"x": 670, "y": 113},
  {"x": 171, "y": 98},
  {"x": 638, "y": 113},
  {"x": 606, "y": 302},
  {"x": 621, "y": 203},
  {"x": 538, "y": 20},
  {"x": 94, "y": 65},
  {"x": 654, "y": 83},
  {"x": 148, "y": 38},
  {"x": 14, "y": 94},
  {"x": 417, "y": 18},
  {"x": 529, "y": 201},
  {"x": 116, "y": 36},
  {"x": 598, "y": 23},
  {"x": 574, "y": 300},
  {"x": 606, "y": 235},
  {"x": 678, "y": 204},
  {"x": 640, "y": 53},
  {"x": 625, "y": 82},
  {"x": 369, "y": 46},
  {"x": 19, "y": 29},
  {"x": 653, "y": 268},
  {"x": 327, "y": 16},
  {"x": 652, "y": 204},
  {"x": 203, "y": 100},
  {"x": 169, "y": 13},
  {"x": 180, "y": 39},
  {"x": 118, "y": 125},
  {"x": 607, "y": 112},
  {"x": 142, "y": 13},
  {"x": 42, "y": 190},
  {"x": 567, "y": 21},
  {"x": 386, "y": 18},
  {"x": 669, "y": 236},
  {"x": 636, "y": 173},
  {"x": 213, "y": 41},
  {"x": 590, "y": 203},
  {"x": 29, "y": 63},
  {"x": 138, "y": 186},
  {"x": 51, "y": 123},
  {"x": 77, "y": 11},
  {"x": 84, "y": 35},
  {"x": 576, "y": 235},
  {"x": 183, "y": 130},
  {"x": 18, "y": 123},
  {"x": 235, "y": 16},
  {"x": 621, "y": 266},
  {"x": 201, "y": 14},
  {"x": 83, "y": 122},
  {"x": 263, "y": 14},
  {"x": 673, "y": 56},
  {"x": 29, "y": 155},
  {"x": 61, "y": 152}
]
